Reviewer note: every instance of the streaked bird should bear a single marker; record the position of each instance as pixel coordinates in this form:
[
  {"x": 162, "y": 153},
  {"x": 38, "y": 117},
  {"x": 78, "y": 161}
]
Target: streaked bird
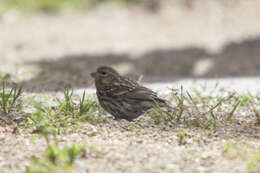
[{"x": 122, "y": 97}]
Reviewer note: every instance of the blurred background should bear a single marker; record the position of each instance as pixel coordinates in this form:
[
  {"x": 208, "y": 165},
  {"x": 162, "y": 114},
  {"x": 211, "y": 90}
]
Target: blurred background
[{"x": 46, "y": 45}]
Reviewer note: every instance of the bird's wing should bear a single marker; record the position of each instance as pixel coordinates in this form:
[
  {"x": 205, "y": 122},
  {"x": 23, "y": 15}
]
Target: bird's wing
[
  {"x": 122, "y": 87},
  {"x": 131, "y": 89},
  {"x": 146, "y": 98},
  {"x": 137, "y": 92},
  {"x": 145, "y": 94}
]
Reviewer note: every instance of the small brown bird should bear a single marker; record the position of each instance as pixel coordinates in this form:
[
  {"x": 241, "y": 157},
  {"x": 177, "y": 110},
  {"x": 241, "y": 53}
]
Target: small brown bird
[{"x": 122, "y": 97}]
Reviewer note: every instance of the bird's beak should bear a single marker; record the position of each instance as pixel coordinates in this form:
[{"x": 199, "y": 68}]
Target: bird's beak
[{"x": 93, "y": 75}]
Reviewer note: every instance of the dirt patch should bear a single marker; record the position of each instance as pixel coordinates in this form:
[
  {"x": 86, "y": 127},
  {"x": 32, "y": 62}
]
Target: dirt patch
[{"x": 236, "y": 59}]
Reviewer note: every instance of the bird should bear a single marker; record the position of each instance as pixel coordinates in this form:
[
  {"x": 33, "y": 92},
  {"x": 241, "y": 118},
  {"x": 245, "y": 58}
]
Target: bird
[{"x": 122, "y": 97}]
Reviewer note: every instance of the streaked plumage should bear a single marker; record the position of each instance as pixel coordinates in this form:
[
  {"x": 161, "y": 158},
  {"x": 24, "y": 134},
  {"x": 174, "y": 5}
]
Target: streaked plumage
[{"x": 122, "y": 97}]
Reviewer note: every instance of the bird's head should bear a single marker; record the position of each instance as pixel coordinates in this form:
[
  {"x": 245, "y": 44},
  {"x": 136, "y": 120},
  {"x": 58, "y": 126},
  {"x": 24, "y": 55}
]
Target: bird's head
[{"x": 105, "y": 76}]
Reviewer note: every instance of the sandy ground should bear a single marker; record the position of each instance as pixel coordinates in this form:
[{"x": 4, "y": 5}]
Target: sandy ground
[{"x": 47, "y": 52}]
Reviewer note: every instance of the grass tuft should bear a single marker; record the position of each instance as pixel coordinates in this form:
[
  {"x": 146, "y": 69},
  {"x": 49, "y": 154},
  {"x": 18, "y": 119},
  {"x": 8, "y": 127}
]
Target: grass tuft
[
  {"x": 52, "y": 120},
  {"x": 9, "y": 97},
  {"x": 194, "y": 108}
]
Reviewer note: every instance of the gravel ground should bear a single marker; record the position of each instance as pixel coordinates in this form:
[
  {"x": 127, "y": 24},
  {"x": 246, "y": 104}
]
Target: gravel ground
[
  {"x": 147, "y": 147},
  {"x": 45, "y": 52}
]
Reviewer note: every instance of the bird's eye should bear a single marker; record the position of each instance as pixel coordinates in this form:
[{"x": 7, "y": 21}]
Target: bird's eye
[{"x": 103, "y": 73}]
